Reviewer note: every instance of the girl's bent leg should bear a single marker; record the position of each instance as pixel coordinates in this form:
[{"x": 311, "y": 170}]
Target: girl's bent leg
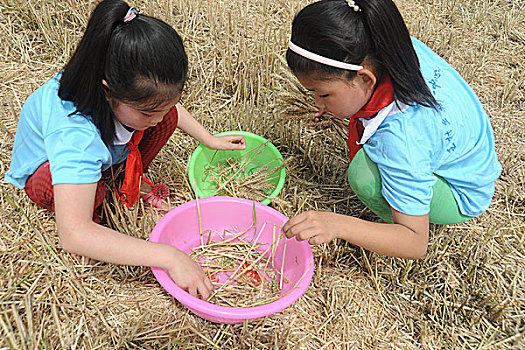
[
  {"x": 365, "y": 180},
  {"x": 39, "y": 188},
  {"x": 444, "y": 209}
]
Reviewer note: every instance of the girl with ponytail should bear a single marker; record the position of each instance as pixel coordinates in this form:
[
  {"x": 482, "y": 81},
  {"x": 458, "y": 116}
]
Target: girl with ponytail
[
  {"x": 116, "y": 102},
  {"x": 421, "y": 146}
]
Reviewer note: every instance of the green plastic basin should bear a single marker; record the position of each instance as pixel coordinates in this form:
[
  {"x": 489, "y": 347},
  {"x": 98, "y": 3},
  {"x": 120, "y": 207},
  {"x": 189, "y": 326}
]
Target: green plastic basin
[{"x": 203, "y": 156}]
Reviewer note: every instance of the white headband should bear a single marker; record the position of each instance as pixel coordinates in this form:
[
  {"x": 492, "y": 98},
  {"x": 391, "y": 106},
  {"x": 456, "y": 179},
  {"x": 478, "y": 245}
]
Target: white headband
[{"x": 321, "y": 59}]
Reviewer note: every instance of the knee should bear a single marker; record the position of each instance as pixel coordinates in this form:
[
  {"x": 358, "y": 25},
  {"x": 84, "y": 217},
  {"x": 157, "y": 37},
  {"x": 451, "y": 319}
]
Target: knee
[
  {"x": 365, "y": 187},
  {"x": 363, "y": 176},
  {"x": 39, "y": 188}
]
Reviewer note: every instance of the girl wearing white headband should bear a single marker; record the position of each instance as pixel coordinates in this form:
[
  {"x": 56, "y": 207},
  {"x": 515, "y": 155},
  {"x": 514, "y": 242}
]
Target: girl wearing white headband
[
  {"x": 115, "y": 103},
  {"x": 421, "y": 145}
]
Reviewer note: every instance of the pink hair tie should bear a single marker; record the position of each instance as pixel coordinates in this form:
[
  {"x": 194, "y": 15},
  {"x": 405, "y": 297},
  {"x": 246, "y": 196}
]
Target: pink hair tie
[
  {"x": 132, "y": 13},
  {"x": 324, "y": 60}
]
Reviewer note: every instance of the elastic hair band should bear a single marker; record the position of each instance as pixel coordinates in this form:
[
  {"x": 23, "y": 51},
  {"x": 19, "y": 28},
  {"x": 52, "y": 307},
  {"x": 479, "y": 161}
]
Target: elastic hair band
[
  {"x": 132, "y": 13},
  {"x": 321, "y": 59}
]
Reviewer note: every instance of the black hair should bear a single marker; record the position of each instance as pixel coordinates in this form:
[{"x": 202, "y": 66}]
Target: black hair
[
  {"x": 376, "y": 34},
  {"x": 143, "y": 61}
]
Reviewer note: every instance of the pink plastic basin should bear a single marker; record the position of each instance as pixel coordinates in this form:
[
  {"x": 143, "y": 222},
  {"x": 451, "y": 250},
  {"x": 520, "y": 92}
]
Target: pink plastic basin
[{"x": 180, "y": 228}]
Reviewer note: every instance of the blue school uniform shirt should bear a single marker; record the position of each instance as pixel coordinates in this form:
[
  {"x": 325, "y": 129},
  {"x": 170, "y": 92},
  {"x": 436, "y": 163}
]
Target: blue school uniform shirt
[
  {"x": 456, "y": 142},
  {"x": 47, "y": 130}
]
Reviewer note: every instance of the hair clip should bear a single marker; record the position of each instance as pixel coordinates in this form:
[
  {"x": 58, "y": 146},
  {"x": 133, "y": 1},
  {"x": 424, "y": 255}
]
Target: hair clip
[
  {"x": 353, "y": 6},
  {"x": 132, "y": 13}
]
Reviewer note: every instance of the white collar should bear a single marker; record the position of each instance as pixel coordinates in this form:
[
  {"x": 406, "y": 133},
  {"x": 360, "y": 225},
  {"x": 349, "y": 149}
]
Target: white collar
[
  {"x": 371, "y": 125},
  {"x": 122, "y": 135}
]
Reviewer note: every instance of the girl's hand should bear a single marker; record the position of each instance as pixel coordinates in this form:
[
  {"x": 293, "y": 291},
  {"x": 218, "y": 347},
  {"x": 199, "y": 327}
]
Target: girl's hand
[
  {"x": 314, "y": 226},
  {"x": 227, "y": 142},
  {"x": 191, "y": 126},
  {"x": 318, "y": 115},
  {"x": 189, "y": 276},
  {"x": 319, "y": 120}
]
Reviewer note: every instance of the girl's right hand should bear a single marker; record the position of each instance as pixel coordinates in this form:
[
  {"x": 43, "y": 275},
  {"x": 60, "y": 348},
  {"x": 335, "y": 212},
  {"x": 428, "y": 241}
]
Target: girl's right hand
[
  {"x": 313, "y": 226},
  {"x": 188, "y": 275},
  {"x": 317, "y": 121},
  {"x": 318, "y": 116},
  {"x": 226, "y": 142}
]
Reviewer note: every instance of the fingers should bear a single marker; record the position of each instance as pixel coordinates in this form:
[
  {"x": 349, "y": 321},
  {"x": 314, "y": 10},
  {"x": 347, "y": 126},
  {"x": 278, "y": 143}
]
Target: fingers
[
  {"x": 200, "y": 288},
  {"x": 237, "y": 141},
  {"x": 290, "y": 228},
  {"x": 193, "y": 291},
  {"x": 302, "y": 231},
  {"x": 319, "y": 113},
  {"x": 189, "y": 276},
  {"x": 229, "y": 142},
  {"x": 316, "y": 240},
  {"x": 318, "y": 116},
  {"x": 312, "y": 236},
  {"x": 208, "y": 283},
  {"x": 205, "y": 289},
  {"x": 308, "y": 226}
]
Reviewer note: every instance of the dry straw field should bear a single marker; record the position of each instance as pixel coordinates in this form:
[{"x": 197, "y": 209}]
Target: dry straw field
[{"x": 467, "y": 293}]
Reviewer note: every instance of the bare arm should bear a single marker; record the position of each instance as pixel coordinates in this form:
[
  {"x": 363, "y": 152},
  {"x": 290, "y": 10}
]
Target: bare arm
[
  {"x": 406, "y": 238},
  {"x": 192, "y": 127},
  {"x": 80, "y": 235}
]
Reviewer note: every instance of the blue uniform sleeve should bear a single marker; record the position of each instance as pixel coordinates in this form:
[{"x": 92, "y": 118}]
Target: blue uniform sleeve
[
  {"x": 408, "y": 192},
  {"x": 405, "y": 166},
  {"x": 76, "y": 155}
]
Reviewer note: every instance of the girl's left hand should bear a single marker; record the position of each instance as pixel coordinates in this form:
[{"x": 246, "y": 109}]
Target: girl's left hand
[{"x": 227, "y": 142}]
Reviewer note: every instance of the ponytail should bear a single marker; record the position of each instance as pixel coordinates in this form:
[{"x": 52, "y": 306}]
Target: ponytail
[
  {"x": 375, "y": 33},
  {"x": 81, "y": 80},
  {"x": 396, "y": 53},
  {"x": 143, "y": 61}
]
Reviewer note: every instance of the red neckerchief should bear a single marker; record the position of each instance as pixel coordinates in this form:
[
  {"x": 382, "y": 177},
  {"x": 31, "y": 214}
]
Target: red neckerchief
[
  {"x": 382, "y": 97},
  {"x": 130, "y": 190}
]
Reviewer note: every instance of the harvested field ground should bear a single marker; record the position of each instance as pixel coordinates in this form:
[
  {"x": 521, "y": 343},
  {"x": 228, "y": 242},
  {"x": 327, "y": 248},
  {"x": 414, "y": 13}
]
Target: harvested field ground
[{"x": 467, "y": 293}]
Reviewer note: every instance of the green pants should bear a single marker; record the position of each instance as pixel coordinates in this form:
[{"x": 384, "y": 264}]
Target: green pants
[{"x": 365, "y": 180}]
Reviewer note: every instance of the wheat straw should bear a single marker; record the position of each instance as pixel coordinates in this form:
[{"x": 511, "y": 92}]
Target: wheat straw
[
  {"x": 252, "y": 277},
  {"x": 242, "y": 176}
]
